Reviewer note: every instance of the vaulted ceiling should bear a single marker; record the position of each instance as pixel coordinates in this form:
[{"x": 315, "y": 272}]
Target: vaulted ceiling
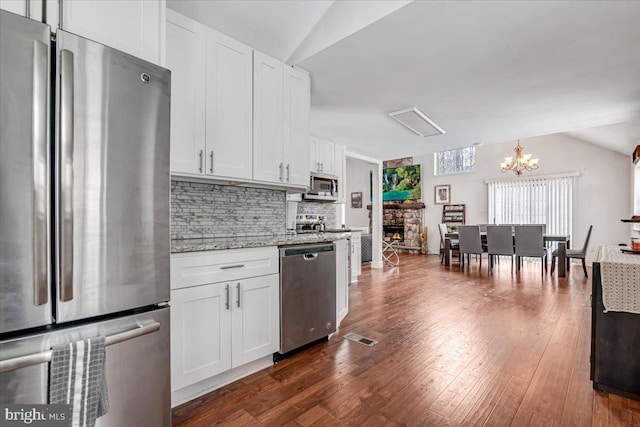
[{"x": 484, "y": 71}]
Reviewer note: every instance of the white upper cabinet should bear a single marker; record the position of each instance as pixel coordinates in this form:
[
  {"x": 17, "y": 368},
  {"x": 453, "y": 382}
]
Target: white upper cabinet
[
  {"x": 329, "y": 157},
  {"x": 186, "y": 41},
  {"x": 136, "y": 27},
  {"x": 281, "y": 104},
  {"x": 314, "y": 165},
  {"x": 326, "y": 156},
  {"x": 228, "y": 107},
  {"x": 133, "y": 26},
  {"x": 340, "y": 170},
  {"x": 211, "y": 101},
  {"x": 29, "y": 9},
  {"x": 268, "y": 125},
  {"x": 297, "y": 104},
  {"x": 235, "y": 113},
  {"x": 322, "y": 156}
]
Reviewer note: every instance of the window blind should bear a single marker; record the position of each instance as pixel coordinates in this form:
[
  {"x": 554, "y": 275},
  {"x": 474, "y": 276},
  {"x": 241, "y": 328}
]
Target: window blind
[{"x": 534, "y": 201}]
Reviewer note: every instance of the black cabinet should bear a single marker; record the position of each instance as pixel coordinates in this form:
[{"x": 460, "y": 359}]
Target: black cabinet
[{"x": 615, "y": 346}]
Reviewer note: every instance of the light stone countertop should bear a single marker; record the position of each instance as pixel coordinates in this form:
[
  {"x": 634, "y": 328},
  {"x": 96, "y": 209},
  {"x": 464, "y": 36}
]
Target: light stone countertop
[{"x": 221, "y": 243}]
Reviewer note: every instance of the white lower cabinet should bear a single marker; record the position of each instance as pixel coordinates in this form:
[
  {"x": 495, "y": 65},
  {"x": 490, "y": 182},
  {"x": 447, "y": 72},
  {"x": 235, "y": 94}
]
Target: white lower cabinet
[
  {"x": 217, "y": 327},
  {"x": 342, "y": 280},
  {"x": 200, "y": 334},
  {"x": 356, "y": 255},
  {"x": 255, "y": 319}
]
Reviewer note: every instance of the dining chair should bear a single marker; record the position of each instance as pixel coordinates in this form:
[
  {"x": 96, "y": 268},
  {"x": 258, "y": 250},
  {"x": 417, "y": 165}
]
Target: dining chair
[
  {"x": 454, "y": 243},
  {"x": 470, "y": 243},
  {"x": 574, "y": 253},
  {"x": 530, "y": 243},
  {"x": 544, "y": 227},
  {"x": 499, "y": 243}
]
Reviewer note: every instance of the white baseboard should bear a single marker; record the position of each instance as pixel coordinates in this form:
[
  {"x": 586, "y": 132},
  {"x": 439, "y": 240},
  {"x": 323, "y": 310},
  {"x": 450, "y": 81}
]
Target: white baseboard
[{"x": 185, "y": 394}]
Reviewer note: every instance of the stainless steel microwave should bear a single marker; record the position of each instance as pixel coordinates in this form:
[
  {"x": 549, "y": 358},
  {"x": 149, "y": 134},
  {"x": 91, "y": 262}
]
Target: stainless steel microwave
[{"x": 323, "y": 188}]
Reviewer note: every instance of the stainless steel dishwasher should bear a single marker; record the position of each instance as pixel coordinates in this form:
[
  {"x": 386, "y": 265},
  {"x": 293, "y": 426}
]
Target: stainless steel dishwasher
[{"x": 307, "y": 294}]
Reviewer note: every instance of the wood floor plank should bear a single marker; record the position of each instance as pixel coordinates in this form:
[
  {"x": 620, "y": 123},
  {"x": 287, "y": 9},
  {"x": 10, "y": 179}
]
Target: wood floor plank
[
  {"x": 507, "y": 406},
  {"x": 578, "y": 405},
  {"x": 418, "y": 395},
  {"x": 455, "y": 348},
  {"x": 312, "y": 415}
]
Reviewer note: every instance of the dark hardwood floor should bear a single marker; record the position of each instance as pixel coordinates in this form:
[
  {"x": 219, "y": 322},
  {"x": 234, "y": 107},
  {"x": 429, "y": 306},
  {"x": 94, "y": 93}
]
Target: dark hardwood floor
[{"x": 455, "y": 348}]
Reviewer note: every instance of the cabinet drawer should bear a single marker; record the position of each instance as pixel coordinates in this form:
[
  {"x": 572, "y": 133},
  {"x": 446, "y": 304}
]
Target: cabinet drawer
[{"x": 200, "y": 268}]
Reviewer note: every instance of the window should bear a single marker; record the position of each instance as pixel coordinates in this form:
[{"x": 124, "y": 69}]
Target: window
[
  {"x": 455, "y": 161},
  {"x": 533, "y": 201}
]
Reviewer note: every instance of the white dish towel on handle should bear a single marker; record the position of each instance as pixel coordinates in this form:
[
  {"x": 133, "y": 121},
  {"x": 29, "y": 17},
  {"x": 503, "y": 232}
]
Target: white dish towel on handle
[
  {"x": 620, "y": 280},
  {"x": 77, "y": 377}
]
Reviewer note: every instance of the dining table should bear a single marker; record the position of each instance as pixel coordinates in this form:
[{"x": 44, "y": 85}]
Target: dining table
[{"x": 563, "y": 240}]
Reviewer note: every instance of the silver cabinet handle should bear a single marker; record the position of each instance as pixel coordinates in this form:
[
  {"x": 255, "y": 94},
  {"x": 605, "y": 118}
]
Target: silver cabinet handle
[
  {"x": 201, "y": 154},
  {"x": 211, "y": 167},
  {"x": 321, "y": 167},
  {"x": 40, "y": 161},
  {"x": 226, "y": 303},
  {"x": 44, "y": 357},
  {"x": 27, "y": 6},
  {"x": 318, "y": 166},
  {"x": 280, "y": 167},
  {"x": 288, "y": 172},
  {"x": 60, "y": 15},
  {"x": 226, "y": 267},
  {"x": 238, "y": 288},
  {"x": 65, "y": 178}
]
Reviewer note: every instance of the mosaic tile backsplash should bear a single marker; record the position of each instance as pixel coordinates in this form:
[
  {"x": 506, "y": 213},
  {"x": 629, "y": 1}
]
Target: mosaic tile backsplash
[{"x": 200, "y": 210}]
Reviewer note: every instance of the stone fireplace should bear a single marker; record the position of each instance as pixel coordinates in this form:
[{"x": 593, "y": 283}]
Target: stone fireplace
[{"x": 403, "y": 222}]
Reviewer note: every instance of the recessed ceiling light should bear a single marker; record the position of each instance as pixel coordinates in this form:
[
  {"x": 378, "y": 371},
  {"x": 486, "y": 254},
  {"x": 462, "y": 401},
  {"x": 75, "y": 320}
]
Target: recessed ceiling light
[{"x": 416, "y": 121}]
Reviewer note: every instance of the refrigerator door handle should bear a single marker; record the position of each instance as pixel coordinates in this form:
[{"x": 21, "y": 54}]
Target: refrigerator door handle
[
  {"x": 65, "y": 198},
  {"x": 45, "y": 356},
  {"x": 40, "y": 190}
]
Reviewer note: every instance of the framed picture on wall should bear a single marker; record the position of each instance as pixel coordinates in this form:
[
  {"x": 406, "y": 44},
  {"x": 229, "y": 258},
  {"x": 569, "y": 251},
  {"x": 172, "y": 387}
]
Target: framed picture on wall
[
  {"x": 442, "y": 194},
  {"x": 356, "y": 199}
]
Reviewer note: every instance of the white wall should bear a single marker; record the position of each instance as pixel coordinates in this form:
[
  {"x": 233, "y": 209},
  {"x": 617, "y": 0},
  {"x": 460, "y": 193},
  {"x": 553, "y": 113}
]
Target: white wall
[
  {"x": 602, "y": 187},
  {"x": 636, "y": 189},
  {"x": 635, "y": 197},
  {"x": 357, "y": 180}
]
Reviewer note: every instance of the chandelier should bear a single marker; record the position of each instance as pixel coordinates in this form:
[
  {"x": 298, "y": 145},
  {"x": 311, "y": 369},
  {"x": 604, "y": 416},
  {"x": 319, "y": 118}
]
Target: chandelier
[{"x": 520, "y": 162}]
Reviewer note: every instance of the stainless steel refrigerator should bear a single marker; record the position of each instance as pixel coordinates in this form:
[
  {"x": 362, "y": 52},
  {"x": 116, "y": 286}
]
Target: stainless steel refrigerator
[{"x": 84, "y": 216}]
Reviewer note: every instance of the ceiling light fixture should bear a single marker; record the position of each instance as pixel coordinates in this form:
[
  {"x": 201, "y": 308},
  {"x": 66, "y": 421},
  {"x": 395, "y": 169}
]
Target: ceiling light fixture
[
  {"x": 416, "y": 121},
  {"x": 519, "y": 163}
]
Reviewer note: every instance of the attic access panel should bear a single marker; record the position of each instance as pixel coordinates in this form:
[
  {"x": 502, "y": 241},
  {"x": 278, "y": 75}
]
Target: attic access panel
[{"x": 416, "y": 121}]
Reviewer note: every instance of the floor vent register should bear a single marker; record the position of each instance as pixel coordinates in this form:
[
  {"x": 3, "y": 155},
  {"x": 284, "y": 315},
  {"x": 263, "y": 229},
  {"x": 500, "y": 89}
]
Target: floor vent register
[{"x": 360, "y": 339}]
